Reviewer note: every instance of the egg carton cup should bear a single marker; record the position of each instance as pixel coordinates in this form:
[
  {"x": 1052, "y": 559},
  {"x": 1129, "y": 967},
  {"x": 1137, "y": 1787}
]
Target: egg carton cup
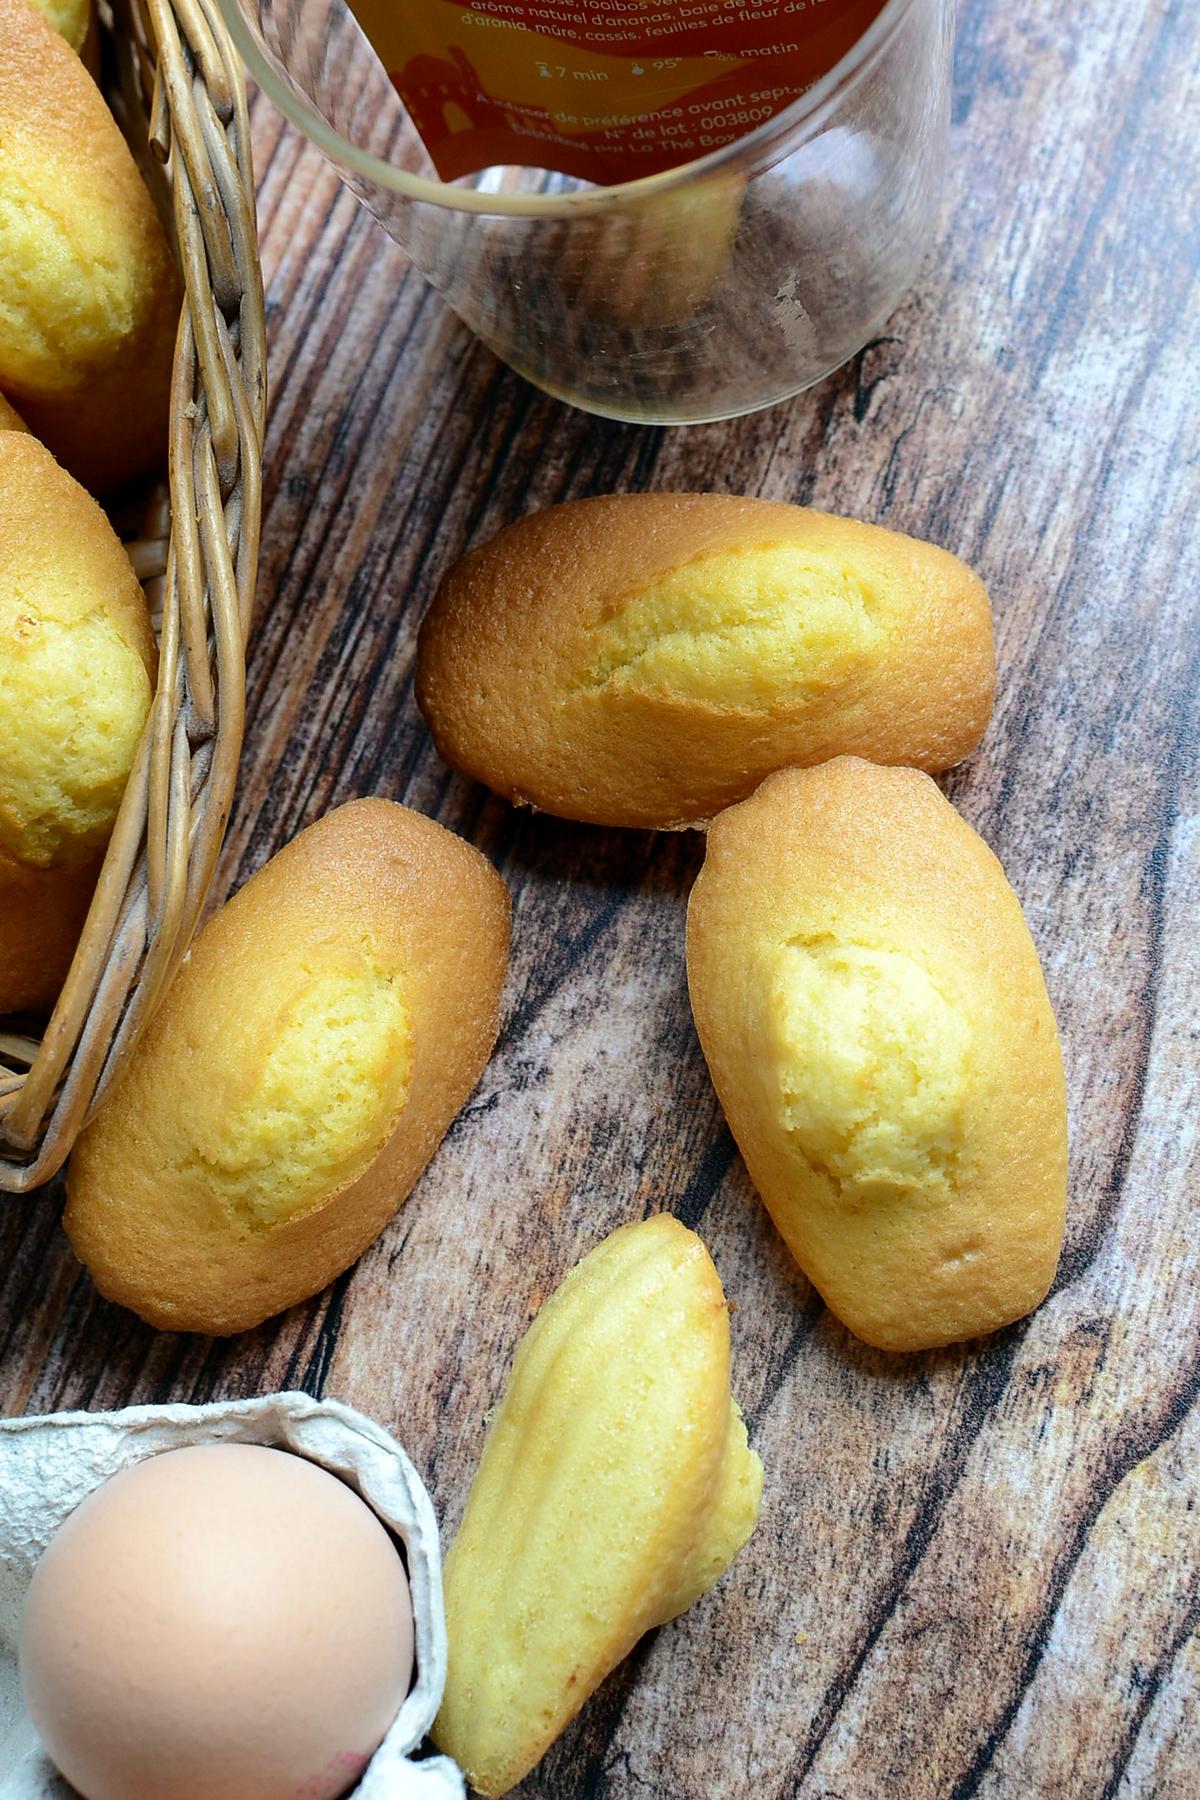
[{"x": 49, "y": 1464}]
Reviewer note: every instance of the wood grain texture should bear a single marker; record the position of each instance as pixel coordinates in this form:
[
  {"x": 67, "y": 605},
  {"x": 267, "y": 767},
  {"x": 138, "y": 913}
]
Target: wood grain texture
[{"x": 976, "y": 1573}]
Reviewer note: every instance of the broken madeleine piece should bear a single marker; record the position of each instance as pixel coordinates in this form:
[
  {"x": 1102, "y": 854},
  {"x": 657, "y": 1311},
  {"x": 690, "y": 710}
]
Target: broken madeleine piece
[
  {"x": 875, "y": 1020},
  {"x": 616, "y": 1486},
  {"x": 646, "y": 659},
  {"x": 308, "y": 1058}
]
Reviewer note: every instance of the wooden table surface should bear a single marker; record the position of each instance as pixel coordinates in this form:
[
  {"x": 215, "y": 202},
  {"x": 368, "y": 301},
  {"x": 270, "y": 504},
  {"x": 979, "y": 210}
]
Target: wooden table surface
[{"x": 976, "y": 1570}]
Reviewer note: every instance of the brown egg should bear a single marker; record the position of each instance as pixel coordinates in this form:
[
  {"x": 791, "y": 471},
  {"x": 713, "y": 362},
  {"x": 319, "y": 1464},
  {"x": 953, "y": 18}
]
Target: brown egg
[{"x": 219, "y": 1621}]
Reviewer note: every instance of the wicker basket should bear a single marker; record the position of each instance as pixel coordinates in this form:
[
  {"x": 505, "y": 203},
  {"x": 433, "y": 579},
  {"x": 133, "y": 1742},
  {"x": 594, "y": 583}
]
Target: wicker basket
[{"x": 169, "y": 69}]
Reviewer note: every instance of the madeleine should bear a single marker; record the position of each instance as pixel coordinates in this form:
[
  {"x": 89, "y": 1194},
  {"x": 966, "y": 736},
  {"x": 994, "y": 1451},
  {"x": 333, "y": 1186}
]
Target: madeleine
[
  {"x": 646, "y": 659},
  {"x": 616, "y": 1486},
  {"x": 310, "y": 1055},
  {"x": 874, "y": 1016},
  {"x": 89, "y": 293},
  {"x": 77, "y": 663}
]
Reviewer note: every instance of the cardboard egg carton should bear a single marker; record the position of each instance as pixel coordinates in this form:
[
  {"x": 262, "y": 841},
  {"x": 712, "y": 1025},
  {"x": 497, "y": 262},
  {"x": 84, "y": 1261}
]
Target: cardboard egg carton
[{"x": 48, "y": 1465}]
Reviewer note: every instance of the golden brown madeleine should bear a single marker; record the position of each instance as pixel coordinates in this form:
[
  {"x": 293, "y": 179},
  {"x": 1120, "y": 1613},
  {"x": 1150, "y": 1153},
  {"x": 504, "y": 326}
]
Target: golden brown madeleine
[
  {"x": 645, "y": 659},
  {"x": 89, "y": 295},
  {"x": 874, "y": 1016},
  {"x": 76, "y": 681},
  {"x": 309, "y": 1057},
  {"x": 10, "y": 418},
  {"x": 616, "y": 1486}
]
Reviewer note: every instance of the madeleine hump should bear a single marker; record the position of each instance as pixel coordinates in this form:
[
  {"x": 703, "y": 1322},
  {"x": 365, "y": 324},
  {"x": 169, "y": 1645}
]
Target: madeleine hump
[
  {"x": 874, "y": 1016},
  {"x": 309, "y": 1057},
  {"x": 646, "y": 659},
  {"x": 616, "y": 1486}
]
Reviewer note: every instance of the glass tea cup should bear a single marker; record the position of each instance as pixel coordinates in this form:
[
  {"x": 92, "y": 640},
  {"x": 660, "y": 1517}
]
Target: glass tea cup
[{"x": 699, "y": 293}]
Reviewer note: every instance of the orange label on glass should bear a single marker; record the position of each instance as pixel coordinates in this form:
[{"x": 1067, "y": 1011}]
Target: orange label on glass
[{"x": 604, "y": 90}]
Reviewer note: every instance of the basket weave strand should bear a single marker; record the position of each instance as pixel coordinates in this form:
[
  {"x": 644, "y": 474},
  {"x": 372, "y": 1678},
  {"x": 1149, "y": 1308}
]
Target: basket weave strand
[{"x": 177, "y": 69}]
